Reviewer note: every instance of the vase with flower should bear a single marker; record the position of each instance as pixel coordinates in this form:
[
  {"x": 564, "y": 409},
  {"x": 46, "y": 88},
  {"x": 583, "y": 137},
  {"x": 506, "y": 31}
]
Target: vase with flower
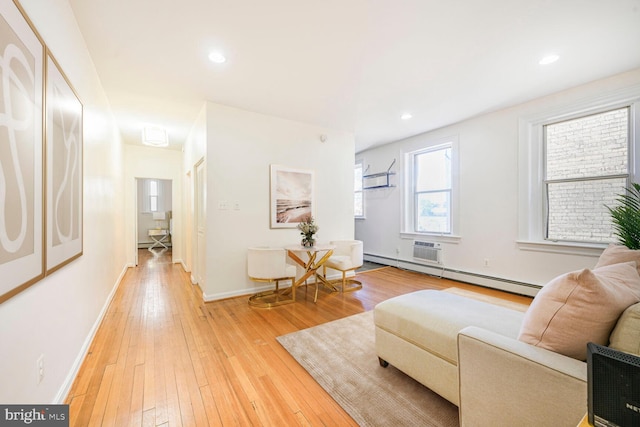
[{"x": 308, "y": 228}]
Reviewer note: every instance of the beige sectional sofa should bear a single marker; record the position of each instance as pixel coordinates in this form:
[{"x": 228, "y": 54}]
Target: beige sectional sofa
[
  {"x": 417, "y": 333},
  {"x": 479, "y": 356},
  {"x": 467, "y": 351}
]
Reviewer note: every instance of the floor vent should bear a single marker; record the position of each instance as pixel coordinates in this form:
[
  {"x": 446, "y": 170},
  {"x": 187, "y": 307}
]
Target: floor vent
[{"x": 428, "y": 252}]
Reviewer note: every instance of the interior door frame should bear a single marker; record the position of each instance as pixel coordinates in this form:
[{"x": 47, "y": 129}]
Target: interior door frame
[
  {"x": 135, "y": 214},
  {"x": 199, "y": 223},
  {"x": 187, "y": 246}
]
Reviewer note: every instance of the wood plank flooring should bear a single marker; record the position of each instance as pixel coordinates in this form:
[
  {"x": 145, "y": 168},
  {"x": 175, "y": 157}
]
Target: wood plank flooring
[{"x": 162, "y": 357}]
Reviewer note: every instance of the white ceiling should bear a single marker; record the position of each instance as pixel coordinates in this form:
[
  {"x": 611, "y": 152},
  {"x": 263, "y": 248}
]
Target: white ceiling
[{"x": 353, "y": 65}]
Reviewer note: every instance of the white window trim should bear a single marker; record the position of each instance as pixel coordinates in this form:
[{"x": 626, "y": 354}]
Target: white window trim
[
  {"x": 407, "y": 200},
  {"x": 364, "y": 211},
  {"x": 531, "y": 173}
]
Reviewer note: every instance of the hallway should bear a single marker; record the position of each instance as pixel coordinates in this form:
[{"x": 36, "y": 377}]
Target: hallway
[{"x": 163, "y": 357}]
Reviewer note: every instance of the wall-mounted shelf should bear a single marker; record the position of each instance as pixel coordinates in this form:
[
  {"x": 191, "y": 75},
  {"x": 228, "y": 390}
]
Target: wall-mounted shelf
[{"x": 378, "y": 180}]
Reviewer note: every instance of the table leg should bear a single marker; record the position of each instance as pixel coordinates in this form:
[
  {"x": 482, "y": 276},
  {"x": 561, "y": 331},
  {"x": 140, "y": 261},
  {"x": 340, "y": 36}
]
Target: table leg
[{"x": 311, "y": 267}]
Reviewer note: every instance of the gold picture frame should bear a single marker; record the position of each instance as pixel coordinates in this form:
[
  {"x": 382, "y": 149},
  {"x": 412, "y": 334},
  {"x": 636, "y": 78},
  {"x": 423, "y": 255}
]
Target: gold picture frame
[
  {"x": 292, "y": 196},
  {"x": 64, "y": 169},
  {"x": 21, "y": 151}
]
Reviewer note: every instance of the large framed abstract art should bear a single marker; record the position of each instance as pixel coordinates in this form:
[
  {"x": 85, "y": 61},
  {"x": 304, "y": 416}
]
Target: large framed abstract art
[
  {"x": 291, "y": 196},
  {"x": 64, "y": 169},
  {"x": 21, "y": 152}
]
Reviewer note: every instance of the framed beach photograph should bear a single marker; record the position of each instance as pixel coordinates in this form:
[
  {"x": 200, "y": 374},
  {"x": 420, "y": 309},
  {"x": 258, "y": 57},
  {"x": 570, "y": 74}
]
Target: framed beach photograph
[
  {"x": 21, "y": 152},
  {"x": 291, "y": 196},
  {"x": 64, "y": 169}
]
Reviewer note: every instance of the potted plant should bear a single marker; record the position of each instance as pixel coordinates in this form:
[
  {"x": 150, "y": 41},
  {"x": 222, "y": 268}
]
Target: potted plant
[{"x": 626, "y": 217}]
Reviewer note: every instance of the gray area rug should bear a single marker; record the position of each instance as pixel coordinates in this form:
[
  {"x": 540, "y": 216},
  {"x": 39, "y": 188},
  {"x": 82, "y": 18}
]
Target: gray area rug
[
  {"x": 368, "y": 266},
  {"x": 340, "y": 356}
]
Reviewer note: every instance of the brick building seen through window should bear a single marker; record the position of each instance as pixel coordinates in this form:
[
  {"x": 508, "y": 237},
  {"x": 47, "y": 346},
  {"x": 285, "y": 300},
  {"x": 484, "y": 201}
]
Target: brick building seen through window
[{"x": 586, "y": 168}]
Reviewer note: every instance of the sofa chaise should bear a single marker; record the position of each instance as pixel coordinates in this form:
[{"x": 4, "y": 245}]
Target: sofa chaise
[{"x": 503, "y": 367}]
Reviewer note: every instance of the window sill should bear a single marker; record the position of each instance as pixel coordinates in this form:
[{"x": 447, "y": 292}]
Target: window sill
[
  {"x": 447, "y": 238},
  {"x": 582, "y": 249}
]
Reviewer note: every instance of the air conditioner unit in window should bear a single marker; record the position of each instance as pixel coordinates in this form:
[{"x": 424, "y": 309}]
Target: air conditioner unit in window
[{"x": 427, "y": 252}]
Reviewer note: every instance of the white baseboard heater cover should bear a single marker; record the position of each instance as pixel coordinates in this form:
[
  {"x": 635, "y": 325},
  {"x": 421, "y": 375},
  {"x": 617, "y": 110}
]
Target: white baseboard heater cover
[{"x": 427, "y": 252}]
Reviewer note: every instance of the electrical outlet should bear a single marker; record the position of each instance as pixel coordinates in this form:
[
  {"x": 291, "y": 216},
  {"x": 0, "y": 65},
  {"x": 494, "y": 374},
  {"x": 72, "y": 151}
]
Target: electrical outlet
[
  {"x": 40, "y": 367},
  {"x": 486, "y": 262},
  {"x": 397, "y": 251}
]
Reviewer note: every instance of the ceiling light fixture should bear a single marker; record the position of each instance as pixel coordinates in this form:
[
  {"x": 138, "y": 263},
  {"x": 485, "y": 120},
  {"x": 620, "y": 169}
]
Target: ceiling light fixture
[
  {"x": 550, "y": 59},
  {"x": 154, "y": 136},
  {"x": 406, "y": 116},
  {"x": 217, "y": 58}
]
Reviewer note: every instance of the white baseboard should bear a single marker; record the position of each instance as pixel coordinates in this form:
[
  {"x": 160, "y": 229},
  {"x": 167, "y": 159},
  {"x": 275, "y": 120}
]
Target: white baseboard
[
  {"x": 231, "y": 294},
  {"x": 241, "y": 292},
  {"x": 461, "y": 276},
  {"x": 184, "y": 265},
  {"x": 75, "y": 368}
]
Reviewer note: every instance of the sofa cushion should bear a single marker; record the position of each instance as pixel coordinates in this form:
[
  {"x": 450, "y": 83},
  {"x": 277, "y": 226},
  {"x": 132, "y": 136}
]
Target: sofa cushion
[
  {"x": 626, "y": 335},
  {"x": 580, "y": 307},
  {"x": 615, "y": 254},
  {"x": 431, "y": 320}
]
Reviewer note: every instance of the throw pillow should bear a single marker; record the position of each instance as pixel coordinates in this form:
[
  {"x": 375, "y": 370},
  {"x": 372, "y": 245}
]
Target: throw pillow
[
  {"x": 580, "y": 307},
  {"x": 615, "y": 254},
  {"x": 626, "y": 335}
]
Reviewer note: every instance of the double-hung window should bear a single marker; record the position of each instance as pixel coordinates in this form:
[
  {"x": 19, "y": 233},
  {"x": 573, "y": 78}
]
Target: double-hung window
[
  {"x": 586, "y": 166},
  {"x": 153, "y": 195},
  {"x": 150, "y": 195},
  {"x": 574, "y": 163},
  {"x": 358, "y": 195},
  {"x": 429, "y": 189}
]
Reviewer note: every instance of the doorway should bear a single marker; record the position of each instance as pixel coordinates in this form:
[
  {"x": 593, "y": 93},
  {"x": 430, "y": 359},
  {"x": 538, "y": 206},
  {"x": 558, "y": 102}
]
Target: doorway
[{"x": 154, "y": 215}]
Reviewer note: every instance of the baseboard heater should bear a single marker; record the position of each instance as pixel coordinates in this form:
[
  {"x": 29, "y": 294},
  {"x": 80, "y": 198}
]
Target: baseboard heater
[{"x": 455, "y": 274}]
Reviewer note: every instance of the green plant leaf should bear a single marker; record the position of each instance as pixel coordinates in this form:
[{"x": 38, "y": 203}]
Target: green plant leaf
[{"x": 625, "y": 217}]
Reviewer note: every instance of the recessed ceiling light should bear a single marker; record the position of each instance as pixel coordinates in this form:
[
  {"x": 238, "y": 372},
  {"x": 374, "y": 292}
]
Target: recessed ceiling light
[
  {"x": 550, "y": 59},
  {"x": 217, "y": 57},
  {"x": 154, "y": 136},
  {"x": 406, "y": 116}
]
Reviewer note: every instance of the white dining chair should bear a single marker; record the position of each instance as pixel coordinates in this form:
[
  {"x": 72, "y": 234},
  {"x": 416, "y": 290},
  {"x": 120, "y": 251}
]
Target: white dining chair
[
  {"x": 347, "y": 256},
  {"x": 270, "y": 265}
]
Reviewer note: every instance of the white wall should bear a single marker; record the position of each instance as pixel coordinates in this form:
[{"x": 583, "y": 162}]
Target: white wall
[
  {"x": 241, "y": 146},
  {"x": 488, "y": 198},
  {"x": 57, "y": 316},
  {"x": 152, "y": 162},
  {"x": 195, "y": 149}
]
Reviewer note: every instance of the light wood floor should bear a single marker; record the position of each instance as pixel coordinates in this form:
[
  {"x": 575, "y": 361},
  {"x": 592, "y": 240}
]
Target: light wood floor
[{"x": 162, "y": 357}]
